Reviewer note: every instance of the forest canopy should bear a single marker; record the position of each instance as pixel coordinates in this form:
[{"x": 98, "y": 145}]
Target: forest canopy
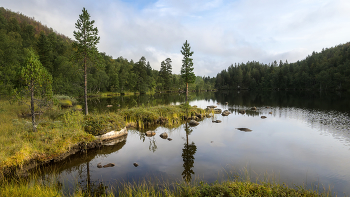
[{"x": 325, "y": 70}]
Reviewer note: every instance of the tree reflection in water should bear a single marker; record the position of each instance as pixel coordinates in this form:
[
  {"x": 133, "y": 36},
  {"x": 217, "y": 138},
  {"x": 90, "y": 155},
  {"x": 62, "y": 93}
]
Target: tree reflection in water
[
  {"x": 152, "y": 144},
  {"x": 188, "y": 156},
  {"x": 90, "y": 187}
]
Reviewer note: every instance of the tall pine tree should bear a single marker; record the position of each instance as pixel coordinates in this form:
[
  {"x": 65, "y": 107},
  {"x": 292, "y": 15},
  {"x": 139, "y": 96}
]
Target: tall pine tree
[
  {"x": 187, "y": 66},
  {"x": 87, "y": 40}
]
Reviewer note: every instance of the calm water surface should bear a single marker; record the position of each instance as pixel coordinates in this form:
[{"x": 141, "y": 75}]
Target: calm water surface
[{"x": 305, "y": 141}]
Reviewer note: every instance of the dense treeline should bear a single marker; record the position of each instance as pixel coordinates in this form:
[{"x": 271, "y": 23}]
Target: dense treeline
[
  {"x": 56, "y": 53},
  {"x": 326, "y": 70}
]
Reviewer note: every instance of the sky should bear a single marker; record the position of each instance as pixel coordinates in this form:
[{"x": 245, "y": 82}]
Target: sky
[{"x": 220, "y": 32}]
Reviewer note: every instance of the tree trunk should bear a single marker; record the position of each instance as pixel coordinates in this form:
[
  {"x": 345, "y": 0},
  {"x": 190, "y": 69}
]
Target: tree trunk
[
  {"x": 32, "y": 104},
  {"x": 85, "y": 87},
  {"x": 186, "y": 91}
]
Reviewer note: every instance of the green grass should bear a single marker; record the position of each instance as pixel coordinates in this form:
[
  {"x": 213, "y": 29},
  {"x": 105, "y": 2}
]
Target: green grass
[
  {"x": 57, "y": 132},
  {"x": 60, "y": 129},
  {"x": 167, "y": 115},
  {"x": 34, "y": 186}
]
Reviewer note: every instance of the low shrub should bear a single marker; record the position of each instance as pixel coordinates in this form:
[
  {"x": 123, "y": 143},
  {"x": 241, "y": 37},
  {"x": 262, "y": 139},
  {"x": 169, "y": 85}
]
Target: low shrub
[
  {"x": 97, "y": 124},
  {"x": 66, "y": 103}
]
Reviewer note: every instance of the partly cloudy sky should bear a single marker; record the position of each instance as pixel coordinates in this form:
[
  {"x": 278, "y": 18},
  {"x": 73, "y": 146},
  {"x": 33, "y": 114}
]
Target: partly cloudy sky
[{"x": 220, "y": 32}]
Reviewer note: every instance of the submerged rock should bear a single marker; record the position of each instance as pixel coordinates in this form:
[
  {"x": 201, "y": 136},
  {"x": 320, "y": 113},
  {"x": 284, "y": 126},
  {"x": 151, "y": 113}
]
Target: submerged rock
[
  {"x": 109, "y": 165},
  {"x": 135, "y": 164},
  {"x": 241, "y": 111},
  {"x": 244, "y": 129},
  {"x": 193, "y": 123},
  {"x": 270, "y": 112},
  {"x": 99, "y": 165},
  {"x": 150, "y": 133},
  {"x": 164, "y": 135}
]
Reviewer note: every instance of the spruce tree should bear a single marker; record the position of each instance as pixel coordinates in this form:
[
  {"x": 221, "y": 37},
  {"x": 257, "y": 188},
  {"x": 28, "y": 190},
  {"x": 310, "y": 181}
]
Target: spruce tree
[
  {"x": 187, "y": 73},
  {"x": 87, "y": 40}
]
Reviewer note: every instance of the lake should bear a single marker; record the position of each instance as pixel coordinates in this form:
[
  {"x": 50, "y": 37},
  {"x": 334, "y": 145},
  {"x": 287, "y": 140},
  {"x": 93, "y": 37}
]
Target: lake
[{"x": 304, "y": 141}]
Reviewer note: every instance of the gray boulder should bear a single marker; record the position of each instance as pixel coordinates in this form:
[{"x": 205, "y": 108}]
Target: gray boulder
[
  {"x": 225, "y": 113},
  {"x": 164, "y": 135},
  {"x": 109, "y": 165}
]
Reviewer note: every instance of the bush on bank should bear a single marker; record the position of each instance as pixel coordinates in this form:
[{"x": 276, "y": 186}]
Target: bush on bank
[{"x": 99, "y": 124}]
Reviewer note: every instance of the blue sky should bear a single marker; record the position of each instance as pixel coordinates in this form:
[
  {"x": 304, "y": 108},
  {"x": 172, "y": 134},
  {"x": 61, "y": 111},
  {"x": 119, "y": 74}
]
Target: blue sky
[{"x": 220, "y": 32}]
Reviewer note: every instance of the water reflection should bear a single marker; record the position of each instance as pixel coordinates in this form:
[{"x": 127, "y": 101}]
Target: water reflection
[
  {"x": 188, "y": 156},
  {"x": 152, "y": 144},
  {"x": 90, "y": 187},
  {"x": 290, "y": 142}
]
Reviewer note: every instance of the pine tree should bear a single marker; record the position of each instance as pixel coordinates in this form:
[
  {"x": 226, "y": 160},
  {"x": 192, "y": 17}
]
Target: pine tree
[
  {"x": 187, "y": 66},
  {"x": 87, "y": 40},
  {"x": 38, "y": 80}
]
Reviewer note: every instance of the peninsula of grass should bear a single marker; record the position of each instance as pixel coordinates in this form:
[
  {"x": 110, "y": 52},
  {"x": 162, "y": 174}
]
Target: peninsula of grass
[{"x": 62, "y": 128}]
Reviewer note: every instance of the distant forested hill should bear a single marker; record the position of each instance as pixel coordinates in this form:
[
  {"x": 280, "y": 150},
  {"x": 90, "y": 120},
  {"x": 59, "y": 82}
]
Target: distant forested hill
[
  {"x": 18, "y": 32},
  {"x": 326, "y": 70}
]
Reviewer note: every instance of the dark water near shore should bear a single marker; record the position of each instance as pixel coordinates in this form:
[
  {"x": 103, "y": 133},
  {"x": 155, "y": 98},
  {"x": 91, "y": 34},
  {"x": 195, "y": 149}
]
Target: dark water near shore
[{"x": 305, "y": 141}]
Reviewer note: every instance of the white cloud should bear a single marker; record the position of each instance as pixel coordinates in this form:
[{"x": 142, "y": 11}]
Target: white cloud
[{"x": 220, "y": 33}]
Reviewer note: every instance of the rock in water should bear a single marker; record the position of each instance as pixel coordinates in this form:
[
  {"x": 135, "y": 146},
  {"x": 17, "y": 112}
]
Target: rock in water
[
  {"x": 135, "y": 164},
  {"x": 164, "y": 135},
  {"x": 150, "y": 133},
  {"x": 170, "y": 139},
  {"x": 217, "y": 121},
  {"x": 270, "y": 112},
  {"x": 193, "y": 123},
  {"x": 253, "y": 108},
  {"x": 241, "y": 111},
  {"x": 263, "y": 117},
  {"x": 109, "y": 165},
  {"x": 244, "y": 129},
  {"x": 225, "y": 113},
  {"x": 99, "y": 165}
]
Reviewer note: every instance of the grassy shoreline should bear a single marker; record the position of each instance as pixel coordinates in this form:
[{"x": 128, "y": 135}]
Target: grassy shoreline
[
  {"x": 63, "y": 129},
  {"x": 35, "y": 186}
]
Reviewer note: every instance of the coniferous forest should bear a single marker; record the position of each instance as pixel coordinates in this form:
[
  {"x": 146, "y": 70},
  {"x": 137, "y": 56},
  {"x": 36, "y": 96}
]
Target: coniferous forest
[
  {"x": 56, "y": 53},
  {"x": 325, "y": 70}
]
